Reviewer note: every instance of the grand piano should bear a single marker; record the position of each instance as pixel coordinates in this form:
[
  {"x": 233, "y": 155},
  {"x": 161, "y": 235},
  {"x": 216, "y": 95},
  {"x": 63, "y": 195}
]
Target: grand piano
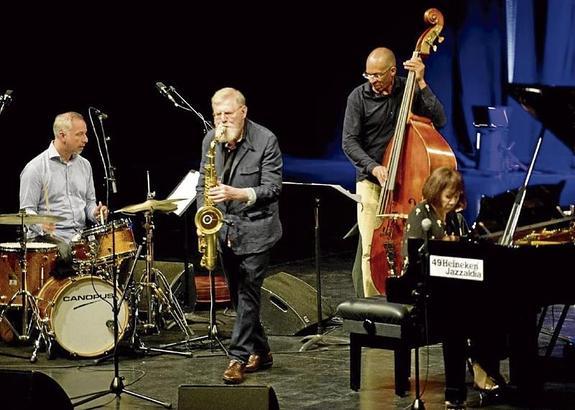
[{"x": 486, "y": 284}]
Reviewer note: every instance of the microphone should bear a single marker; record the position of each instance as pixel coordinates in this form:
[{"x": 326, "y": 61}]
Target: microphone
[
  {"x": 7, "y": 97},
  {"x": 110, "y": 324},
  {"x": 426, "y": 226},
  {"x": 5, "y": 100},
  {"x": 101, "y": 115},
  {"x": 165, "y": 91}
]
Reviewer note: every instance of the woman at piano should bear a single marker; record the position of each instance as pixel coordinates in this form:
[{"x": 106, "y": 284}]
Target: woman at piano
[{"x": 439, "y": 216}]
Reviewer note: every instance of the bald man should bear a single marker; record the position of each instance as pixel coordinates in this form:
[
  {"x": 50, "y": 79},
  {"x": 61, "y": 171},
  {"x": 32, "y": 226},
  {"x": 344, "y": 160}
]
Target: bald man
[{"x": 369, "y": 123}]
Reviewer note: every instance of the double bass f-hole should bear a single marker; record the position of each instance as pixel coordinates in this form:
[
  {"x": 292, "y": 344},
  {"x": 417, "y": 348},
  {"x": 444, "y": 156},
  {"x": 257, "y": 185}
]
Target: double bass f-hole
[{"x": 415, "y": 150}]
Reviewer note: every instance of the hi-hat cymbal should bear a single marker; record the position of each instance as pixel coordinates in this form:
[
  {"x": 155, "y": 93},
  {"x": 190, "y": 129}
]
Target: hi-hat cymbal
[
  {"x": 164, "y": 205},
  {"x": 28, "y": 219}
]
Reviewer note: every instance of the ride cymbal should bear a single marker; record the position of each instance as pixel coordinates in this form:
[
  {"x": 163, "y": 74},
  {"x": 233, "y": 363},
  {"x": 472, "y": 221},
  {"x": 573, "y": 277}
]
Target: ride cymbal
[
  {"x": 164, "y": 205},
  {"x": 28, "y": 219}
]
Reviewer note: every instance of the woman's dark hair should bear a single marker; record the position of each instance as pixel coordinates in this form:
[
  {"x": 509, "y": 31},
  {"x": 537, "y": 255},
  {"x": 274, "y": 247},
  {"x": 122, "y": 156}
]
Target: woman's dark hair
[{"x": 440, "y": 179}]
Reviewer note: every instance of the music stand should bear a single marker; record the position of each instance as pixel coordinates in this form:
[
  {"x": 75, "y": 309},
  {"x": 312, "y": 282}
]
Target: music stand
[
  {"x": 186, "y": 189},
  {"x": 319, "y": 338}
]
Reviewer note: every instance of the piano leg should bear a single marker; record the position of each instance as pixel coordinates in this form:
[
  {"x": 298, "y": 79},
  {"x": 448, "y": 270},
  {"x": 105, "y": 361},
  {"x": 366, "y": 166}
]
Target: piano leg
[
  {"x": 557, "y": 330},
  {"x": 524, "y": 364},
  {"x": 454, "y": 361}
]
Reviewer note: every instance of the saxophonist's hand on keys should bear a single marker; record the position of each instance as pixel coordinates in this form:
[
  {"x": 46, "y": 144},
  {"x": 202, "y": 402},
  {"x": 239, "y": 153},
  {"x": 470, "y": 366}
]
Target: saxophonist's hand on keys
[{"x": 221, "y": 193}]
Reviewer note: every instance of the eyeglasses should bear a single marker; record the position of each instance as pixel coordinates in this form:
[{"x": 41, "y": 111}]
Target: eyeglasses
[
  {"x": 377, "y": 76},
  {"x": 227, "y": 114}
]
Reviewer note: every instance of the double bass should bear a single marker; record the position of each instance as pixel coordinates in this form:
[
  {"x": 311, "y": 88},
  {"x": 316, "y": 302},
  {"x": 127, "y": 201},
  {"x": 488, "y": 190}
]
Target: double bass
[{"x": 415, "y": 150}]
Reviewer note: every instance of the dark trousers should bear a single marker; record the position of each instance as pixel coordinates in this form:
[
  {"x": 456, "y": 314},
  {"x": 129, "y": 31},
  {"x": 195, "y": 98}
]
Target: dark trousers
[
  {"x": 63, "y": 267},
  {"x": 245, "y": 275}
]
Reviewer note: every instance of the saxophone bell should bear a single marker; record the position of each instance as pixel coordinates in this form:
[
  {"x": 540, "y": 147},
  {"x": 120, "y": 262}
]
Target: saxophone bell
[{"x": 209, "y": 220}]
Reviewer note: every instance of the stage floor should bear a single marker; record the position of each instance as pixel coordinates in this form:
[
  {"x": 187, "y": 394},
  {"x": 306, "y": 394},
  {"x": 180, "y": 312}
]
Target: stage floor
[{"x": 314, "y": 379}]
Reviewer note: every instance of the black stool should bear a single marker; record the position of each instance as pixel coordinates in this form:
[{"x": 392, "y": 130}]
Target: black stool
[{"x": 374, "y": 322}]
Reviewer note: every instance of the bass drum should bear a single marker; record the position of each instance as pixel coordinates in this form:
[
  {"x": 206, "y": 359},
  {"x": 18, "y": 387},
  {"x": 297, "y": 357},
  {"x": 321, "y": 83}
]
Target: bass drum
[{"x": 79, "y": 313}]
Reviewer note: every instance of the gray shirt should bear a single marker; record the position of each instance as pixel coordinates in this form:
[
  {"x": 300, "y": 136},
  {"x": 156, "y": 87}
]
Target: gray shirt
[{"x": 49, "y": 185}]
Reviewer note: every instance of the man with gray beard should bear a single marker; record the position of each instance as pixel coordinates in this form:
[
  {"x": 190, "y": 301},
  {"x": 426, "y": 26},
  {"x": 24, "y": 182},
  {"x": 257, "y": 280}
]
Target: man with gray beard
[{"x": 249, "y": 168}]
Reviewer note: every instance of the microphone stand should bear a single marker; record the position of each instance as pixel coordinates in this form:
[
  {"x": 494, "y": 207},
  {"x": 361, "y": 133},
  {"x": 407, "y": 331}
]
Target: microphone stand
[
  {"x": 109, "y": 174},
  {"x": 117, "y": 384},
  {"x": 420, "y": 296},
  {"x": 188, "y": 107},
  {"x": 189, "y": 288}
]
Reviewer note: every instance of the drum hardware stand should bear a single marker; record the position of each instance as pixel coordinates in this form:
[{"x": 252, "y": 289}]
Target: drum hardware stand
[
  {"x": 28, "y": 303},
  {"x": 213, "y": 335},
  {"x": 117, "y": 384},
  {"x": 157, "y": 298}
]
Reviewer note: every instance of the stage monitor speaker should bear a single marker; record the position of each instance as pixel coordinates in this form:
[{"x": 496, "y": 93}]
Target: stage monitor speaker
[
  {"x": 171, "y": 270},
  {"x": 29, "y": 389},
  {"x": 222, "y": 397},
  {"x": 289, "y": 306}
]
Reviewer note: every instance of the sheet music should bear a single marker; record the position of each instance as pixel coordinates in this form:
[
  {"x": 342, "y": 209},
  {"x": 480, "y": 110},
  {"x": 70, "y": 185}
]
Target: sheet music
[{"x": 186, "y": 190}]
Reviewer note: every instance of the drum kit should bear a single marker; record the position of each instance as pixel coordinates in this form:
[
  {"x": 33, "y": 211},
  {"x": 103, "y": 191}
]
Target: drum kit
[{"x": 76, "y": 312}]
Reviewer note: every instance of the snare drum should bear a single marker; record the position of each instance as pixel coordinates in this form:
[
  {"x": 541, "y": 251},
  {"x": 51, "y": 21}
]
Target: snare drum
[
  {"x": 82, "y": 258},
  {"x": 99, "y": 241},
  {"x": 79, "y": 313},
  {"x": 40, "y": 261}
]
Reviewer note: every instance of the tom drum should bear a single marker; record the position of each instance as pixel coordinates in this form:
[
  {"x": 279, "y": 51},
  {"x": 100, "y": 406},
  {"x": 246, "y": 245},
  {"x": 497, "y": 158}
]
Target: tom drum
[{"x": 40, "y": 261}]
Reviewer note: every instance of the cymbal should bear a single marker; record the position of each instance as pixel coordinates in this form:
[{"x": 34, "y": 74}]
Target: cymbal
[
  {"x": 28, "y": 219},
  {"x": 164, "y": 205}
]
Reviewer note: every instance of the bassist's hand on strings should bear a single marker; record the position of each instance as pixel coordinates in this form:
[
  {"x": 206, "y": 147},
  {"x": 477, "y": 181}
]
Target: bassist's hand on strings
[
  {"x": 416, "y": 65},
  {"x": 380, "y": 172}
]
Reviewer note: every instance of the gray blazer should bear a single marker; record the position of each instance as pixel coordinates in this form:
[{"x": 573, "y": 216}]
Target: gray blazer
[{"x": 258, "y": 165}]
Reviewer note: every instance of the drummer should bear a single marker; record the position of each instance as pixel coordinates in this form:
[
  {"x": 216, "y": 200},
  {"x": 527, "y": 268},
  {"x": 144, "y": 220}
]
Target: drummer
[{"x": 59, "y": 182}]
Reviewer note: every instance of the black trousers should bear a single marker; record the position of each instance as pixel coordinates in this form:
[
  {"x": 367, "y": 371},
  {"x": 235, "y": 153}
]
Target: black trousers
[{"x": 245, "y": 275}]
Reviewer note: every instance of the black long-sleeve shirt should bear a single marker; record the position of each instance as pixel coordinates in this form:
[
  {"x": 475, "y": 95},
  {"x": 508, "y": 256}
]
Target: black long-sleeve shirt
[{"x": 370, "y": 120}]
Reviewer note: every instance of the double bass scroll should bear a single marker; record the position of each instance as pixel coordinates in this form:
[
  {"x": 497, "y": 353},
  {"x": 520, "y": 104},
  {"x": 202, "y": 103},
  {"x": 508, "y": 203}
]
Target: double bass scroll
[{"x": 415, "y": 150}]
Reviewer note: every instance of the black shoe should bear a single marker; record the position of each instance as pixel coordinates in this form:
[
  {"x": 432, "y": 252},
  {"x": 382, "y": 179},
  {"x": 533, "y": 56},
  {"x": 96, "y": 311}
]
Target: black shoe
[
  {"x": 455, "y": 405},
  {"x": 490, "y": 397}
]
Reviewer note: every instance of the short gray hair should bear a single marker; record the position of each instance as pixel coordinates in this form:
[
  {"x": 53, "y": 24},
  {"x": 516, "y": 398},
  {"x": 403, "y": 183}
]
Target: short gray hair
[
  {"x": 227, "y": 92},
  {"x": 63, "y": 122}
]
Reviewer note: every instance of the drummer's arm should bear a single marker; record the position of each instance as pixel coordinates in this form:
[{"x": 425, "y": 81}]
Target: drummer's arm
[{"x": 30, "y": 194}]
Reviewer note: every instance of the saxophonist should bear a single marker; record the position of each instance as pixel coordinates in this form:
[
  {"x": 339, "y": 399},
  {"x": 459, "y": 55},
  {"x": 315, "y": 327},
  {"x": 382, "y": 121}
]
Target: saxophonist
[{"x": 248, "y": 164}]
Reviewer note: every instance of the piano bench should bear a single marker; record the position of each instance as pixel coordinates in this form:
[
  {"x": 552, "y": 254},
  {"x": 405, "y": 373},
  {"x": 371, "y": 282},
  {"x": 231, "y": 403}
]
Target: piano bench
[{"x": 374, "y": 322}]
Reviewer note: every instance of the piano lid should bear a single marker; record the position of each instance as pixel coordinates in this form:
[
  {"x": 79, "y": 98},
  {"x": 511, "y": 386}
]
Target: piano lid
[
  {"x": 540, "y": 205},
  {"x": 553, "y": 106}
]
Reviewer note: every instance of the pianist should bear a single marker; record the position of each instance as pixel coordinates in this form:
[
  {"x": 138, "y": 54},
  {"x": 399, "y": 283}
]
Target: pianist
[{"x": 437, "y": 216}]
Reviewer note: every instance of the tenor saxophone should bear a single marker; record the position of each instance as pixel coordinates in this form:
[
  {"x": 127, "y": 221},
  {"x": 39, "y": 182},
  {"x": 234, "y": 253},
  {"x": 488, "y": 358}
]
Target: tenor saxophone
[{"x": 209, "y": 219}]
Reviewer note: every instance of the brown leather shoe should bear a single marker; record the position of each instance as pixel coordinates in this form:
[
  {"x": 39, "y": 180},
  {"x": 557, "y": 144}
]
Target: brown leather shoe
[
  {"x": 257, "y": 362},
  {"x": 234, "y": 374}
]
